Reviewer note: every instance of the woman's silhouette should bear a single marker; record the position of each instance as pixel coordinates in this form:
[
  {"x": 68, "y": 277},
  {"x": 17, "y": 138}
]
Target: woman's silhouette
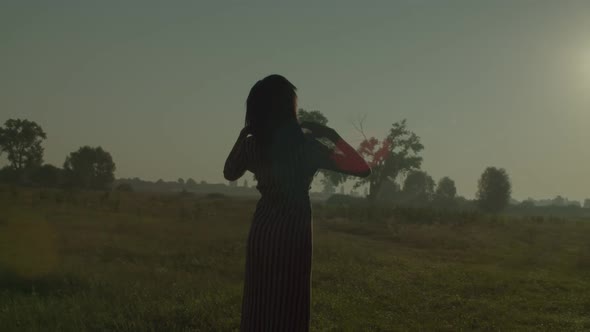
[{"x": 284, "y": 160}]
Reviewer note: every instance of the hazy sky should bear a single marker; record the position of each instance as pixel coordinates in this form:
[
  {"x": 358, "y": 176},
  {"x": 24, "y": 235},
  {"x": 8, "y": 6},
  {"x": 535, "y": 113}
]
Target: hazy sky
[{"x": 162, "y": 85}]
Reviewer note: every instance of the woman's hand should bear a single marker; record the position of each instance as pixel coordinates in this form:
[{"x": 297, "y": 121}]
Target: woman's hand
[
  {"x": 245, "y": 132},
  {"x": 319, "y": 130}
]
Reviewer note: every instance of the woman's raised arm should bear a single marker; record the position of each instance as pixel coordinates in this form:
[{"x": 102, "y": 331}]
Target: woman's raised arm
[
  {"x": 236, "y": 163},
  {"x": 347, "y": 160},
  {"x": 343, "y": 158}
]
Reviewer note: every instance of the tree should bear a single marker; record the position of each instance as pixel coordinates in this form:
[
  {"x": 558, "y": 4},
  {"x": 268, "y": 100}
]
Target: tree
[
  {"x": 418, "y": 188},
  {"x": 8, "y": 175},
  {"x": 328, "y": 187},
  {"x": 395, "y": 155},
  {"x": 390, "y": 191},
  {"x": 574, "y": 204},
  {"x": 181, "y": 181},
  {"x": 312, "y": 116},
  {"x": 21, "y": 140},
  {"x": 558, "y": 201},
  {"x": 124, "y": 187},
  {"x": 90, "y": 168},
  {"x": 329, "y": 179},
  {"x": 527, "y": 204},
  {"x": 445, "y": 193},
  {"x": 190, "y": 182},
  {"x": 494, "y": 189},
  {"x": 47, "y": 176}
]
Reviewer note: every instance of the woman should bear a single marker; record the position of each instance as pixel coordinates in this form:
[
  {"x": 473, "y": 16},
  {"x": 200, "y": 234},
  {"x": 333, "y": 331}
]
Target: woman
[{"x": 284, "y": 161}]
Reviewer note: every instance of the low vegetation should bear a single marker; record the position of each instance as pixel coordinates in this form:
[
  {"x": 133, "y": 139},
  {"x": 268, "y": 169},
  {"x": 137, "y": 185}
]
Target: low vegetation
[{"x": 121, "y": 261}]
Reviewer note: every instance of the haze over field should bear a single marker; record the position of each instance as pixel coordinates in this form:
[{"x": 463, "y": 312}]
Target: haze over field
[{"x": 162, "y": 86}]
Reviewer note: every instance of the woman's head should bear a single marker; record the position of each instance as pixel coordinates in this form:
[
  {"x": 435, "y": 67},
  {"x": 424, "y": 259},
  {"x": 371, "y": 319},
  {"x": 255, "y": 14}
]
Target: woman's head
[{"x": 271, "y": 105}]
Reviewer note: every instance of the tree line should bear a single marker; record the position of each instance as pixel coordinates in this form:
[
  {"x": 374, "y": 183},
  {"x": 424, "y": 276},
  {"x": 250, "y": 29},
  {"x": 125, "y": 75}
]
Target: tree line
[
  {"x": 397, "y": 176},
  {"x": 395, "y": 159},
  {"x": 21, "y": 140}
]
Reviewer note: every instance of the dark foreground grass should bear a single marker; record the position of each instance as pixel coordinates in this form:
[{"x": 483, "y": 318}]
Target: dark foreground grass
[{"x": 139, "y": 262}]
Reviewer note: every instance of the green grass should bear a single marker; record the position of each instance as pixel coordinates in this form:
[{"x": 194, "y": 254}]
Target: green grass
[{"x": 147, "y": 262}]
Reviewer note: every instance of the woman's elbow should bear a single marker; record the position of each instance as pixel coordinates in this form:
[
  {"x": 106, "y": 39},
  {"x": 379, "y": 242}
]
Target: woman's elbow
[
  {"x": 365, "y": 173},
  {"x": 362, "y": 173},
  {"x": 230, "y": 175},
  {"x": 363, "y": 169}
]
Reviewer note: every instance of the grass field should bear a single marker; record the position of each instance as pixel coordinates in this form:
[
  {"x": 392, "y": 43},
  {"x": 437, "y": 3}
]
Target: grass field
[{"x": 148, "y": 262}]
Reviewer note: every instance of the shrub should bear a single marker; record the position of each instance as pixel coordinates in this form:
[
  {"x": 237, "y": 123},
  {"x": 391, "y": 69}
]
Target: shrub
[
  {"x": 216, "y": 196},
  {"x": 124, "y": 187}
]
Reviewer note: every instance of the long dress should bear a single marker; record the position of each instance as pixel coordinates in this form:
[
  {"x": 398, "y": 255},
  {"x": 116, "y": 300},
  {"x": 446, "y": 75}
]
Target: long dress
[{"x": 277, "y": 280}]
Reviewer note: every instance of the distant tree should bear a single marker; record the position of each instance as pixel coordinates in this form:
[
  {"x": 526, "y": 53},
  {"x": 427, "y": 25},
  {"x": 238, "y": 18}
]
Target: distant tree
[
  {"x": 181, "y": 181},
  {"x": 494, "y": 189},
  {"x": 445, "y": 193},
  {"x": 418, "y": 188},
  {"x": 527, "y": 204},
  {"x": 90, "y": 168},
  {"x": 203, "y": 182},
  {"x": 558, "y": 201},
  {"x": 574, "y": 204},
  {"x": 463, "y": 203},
  {"x": 330, "y": 180},
  {"x": 328, "y": 187},
  {"x": 395, "y": 155},
  {"x": 160, "y": 182},
  {"x": 390, "y": 191},
  {"x": 8, "y": 175},
  {"x": 47, "y": 176},
  {"x": 341, "y": 200},
  {"x": 191, "y": 182},
  {"x": 312, "y": 116},
  {"x": 21, "y": 140},
  {"x": 124, "y": 187}
]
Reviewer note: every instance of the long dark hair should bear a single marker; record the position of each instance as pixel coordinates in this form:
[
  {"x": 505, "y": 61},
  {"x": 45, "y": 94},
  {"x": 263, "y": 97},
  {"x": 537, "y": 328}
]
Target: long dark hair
[{"x": 271, "y": 114}]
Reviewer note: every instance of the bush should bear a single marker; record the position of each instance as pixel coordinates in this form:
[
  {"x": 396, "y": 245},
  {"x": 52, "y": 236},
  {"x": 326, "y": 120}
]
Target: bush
[
  {"x": 47, "y": 176},
  {"x": 8, "y": 175},
  {"x": 216, "y": 196},
  {"x": 345, "y": 200},
  {"x": 124, "y": 187},
  {"x": 185, "y": 193}
]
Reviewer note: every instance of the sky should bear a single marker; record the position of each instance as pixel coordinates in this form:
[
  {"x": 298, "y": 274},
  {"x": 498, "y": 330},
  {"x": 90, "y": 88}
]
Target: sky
[{"x": 162, "y": 85}]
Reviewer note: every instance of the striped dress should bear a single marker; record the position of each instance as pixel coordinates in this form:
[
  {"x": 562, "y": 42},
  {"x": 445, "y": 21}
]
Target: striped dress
[{"x": 277, "y": 280}]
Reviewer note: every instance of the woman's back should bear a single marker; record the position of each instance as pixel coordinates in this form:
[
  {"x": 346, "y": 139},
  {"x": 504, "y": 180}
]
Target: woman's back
[
  {"x": 286, "y": 172},
  {"x": 277, "y": 283}
]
